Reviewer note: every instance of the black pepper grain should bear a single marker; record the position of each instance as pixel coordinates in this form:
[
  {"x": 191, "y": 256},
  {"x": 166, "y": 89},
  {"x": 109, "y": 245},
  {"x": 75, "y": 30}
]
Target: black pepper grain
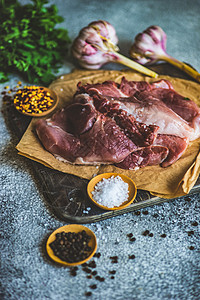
[
  {"x": 73, "y": 271},
  {"x": 191, "y": 248},
  {"x": 133, "y": 239},
  {"x": 137, "y": 213},
  {"x": 145, "y": 233},
  {"x": 114, "y": 261},
  {"x": 155, "y": 215},
  {"x": 163, "y": 235},
  {"x": 93, "y": 286},
  {"x": 129, "y": 235},
  {"x": 94, "y": 273},
  {"x": 113, "y": 257},
  {"x": 190, "y": 233},
  {"x": 145, "y": 212},
  {"x": 99, "y": 278},
  {"x": 131, "y": 256},
  {"x": 112, "y": 277},
  {"x": 86, "y": 270},
  {"x": 151, "y": 234},
  {"x": 92, "y": 264},
  {"x": 88, "y": 294},
  {"x": 112, "y": 272},
  {"x": 97, "y": 254},
  {"x": 194, "y": 223}
]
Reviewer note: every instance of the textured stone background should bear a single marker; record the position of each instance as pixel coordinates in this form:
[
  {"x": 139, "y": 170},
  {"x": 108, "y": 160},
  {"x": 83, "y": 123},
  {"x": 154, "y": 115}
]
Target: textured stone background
[{"x": 163, "y": 268}]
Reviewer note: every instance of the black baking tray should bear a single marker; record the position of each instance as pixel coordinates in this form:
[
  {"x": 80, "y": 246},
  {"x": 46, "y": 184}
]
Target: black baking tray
[{"x": 66, "y": 194}]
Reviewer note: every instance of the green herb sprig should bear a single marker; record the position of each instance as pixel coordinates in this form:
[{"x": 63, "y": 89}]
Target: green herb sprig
[{"x": 30, "y": 45}]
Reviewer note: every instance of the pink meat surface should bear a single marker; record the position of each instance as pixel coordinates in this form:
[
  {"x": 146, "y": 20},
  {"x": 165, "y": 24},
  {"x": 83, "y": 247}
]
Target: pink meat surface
[
  {"x": 105, "y": 142},
  {"x": 131, "y": 124},
  {"x": 142, "y": 157}
]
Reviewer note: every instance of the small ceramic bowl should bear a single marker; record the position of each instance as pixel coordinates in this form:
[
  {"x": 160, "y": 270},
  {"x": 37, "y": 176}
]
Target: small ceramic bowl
[
  {"x": 72, "y": 228},
  {"x": 46, "y": 112},
  {"x": 131, "y": 187}
]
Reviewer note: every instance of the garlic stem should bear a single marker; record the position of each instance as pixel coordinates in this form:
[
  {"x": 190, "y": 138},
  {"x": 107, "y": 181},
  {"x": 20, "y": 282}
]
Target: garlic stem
[
  {"x": 133, "y": 65},
  {"x": 182, "y": 66}
]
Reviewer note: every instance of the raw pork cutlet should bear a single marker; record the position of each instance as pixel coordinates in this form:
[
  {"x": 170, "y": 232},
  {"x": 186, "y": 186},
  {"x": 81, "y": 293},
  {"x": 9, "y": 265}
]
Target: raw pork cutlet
[
  {"x": 152, "y": 106},
  {"x": 131, "y": 125},
  {"x": 104, "y": 142},
  {"x": 149, "y": 105}
]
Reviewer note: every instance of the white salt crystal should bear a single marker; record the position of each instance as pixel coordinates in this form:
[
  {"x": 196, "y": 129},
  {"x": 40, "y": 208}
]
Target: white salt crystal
[{"x": 111, "y": 192}]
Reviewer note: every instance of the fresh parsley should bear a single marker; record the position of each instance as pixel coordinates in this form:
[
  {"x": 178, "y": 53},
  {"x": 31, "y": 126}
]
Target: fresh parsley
[{"x": 30, "y": 45}]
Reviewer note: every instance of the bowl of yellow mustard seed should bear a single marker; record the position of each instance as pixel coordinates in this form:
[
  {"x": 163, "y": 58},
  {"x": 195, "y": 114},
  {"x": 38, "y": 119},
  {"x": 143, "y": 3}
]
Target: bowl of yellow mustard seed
[{"x": 35, "y": 101}]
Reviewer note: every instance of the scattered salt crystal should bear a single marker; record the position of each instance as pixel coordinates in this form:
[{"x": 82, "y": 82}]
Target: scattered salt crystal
[{"x": 111, "y": 192}]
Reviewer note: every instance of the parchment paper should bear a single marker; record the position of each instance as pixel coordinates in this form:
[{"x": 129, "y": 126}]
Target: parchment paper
[{"x": 170, "y": 182}]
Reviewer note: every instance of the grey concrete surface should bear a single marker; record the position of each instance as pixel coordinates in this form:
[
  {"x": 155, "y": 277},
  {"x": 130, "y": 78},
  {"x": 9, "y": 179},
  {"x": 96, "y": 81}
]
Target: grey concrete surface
[{"x": 163, "y": 268}]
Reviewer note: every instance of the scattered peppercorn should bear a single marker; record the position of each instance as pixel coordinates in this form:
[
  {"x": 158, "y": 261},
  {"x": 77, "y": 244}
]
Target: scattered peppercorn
[
  {"x": 114, "y": 259},
  {"x": 33, "y": 99},
  {"x": 112, "y": 272},
  {"x": 73, "y": 271},
  {"x": 163, "y": 235},
  {"x": 89, "y": 276},
  {"x": 145, "y": 212},
  {"x": 112, "y": 277},
  {"x": 194, "y": 223},
  {"x": 94, "y": 273},
  {"x": 133, "y": 239},
  {"x": 129, "y": 235},
  {"x": 131, "y": 256},
  {"x": 87, "y": 270},
  {"x": 92, "y": 264},
  {"x": 145, "y": 233},
  {"x": 151, "y": 234},
  {"x": 87, "y": 294},
  {"x": 137, "y": 213},
  {"x": 190, "y": 233},
  {"x": 93, "y": 286},
  {"x": 71, "y": 247},
  {"x": 99, "y": 278},
  {"x": 97, "y": 255},
  {"x": 191, "y": 248}
]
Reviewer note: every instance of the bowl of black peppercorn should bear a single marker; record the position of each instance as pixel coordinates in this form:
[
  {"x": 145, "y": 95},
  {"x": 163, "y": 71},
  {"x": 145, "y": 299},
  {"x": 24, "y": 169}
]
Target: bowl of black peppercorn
[{"x": 71, "y": 245}]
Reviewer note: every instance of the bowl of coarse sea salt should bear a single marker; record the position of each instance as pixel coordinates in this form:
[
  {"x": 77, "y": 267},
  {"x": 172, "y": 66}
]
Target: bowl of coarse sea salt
[{"x": 112, "y": 191}]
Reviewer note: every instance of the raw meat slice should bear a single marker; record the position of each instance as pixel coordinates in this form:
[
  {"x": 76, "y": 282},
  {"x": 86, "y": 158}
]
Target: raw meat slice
[
  {"x": 76, "y": 118},
  {"x": 107, "y": 88},
  {"x": 175, "y": 145},
  {"x": 139, "y": 133},
  {"x": 149, "y": 104},
  {"x": 151, "y": 111},
  {"x": 103, "y": 143},
  {"x": 147, "y": 156},
  {"x": 130, "y": 88},
  {"x": 57, "y": 141}
]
